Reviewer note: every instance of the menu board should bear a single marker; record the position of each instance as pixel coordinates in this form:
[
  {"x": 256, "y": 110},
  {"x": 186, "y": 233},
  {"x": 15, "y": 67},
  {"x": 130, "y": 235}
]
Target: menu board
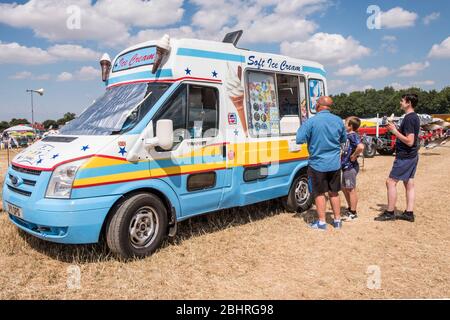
[
  {"x": 316, "y": 90},
  {"x": 264, "y": 116}
]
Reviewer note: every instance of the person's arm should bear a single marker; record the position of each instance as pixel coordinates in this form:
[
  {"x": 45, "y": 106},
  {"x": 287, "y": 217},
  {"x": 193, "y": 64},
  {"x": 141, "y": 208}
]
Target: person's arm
[
  {"x": 343, "y": 137},
  {"x": 407, "y": 139},
  {"x": 358, "y": 146},
  {"x": 359, "y": 149},
  {"x": 303, "y": 133}
]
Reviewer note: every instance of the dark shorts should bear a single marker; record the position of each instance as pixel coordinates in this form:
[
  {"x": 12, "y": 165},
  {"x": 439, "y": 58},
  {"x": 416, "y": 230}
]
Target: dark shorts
[
  {"x": 404, "y": 169},
  {"x": 349, "y": 178},
  {"x": 323, "y": 182}
]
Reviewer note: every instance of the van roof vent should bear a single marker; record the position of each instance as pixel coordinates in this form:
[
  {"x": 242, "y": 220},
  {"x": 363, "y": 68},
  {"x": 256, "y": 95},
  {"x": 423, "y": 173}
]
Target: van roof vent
[{"x": 233, "y": 37}]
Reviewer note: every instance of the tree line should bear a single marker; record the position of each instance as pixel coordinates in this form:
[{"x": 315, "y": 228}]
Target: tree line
[
  {"x": 54, "y": 124},
  {"x": 366, "y": 104}
]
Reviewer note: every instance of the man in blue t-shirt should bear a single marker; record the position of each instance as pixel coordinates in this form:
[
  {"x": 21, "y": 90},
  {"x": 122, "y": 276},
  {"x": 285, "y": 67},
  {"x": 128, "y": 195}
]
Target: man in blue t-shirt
[
  {"x": 406, "y": 159},
  {"x": 324, "y": 133}
]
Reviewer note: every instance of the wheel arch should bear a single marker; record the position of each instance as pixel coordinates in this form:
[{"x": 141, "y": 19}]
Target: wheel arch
[
  {"x": 164, "y": 193},
  {"x": 301, "y": 168}
]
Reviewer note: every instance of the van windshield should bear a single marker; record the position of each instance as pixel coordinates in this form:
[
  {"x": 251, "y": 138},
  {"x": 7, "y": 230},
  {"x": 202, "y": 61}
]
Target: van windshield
[{"x": 119, "y": 110}]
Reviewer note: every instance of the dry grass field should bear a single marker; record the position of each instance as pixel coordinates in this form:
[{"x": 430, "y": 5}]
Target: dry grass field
[{"x": 259, "y": 252}]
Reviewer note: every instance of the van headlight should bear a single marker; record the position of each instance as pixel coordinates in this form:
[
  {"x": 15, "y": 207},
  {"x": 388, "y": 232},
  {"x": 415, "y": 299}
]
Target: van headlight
[{"x": 60, "y": 185}]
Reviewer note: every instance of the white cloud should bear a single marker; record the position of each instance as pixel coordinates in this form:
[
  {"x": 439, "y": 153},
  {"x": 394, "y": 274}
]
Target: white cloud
[
  {"x": 273, "y": 28},
  {"x": 149, "y": 34},
  {"x": 389, "y": 44},
  {"x": 64, "y": 76},
  {"x": 327, "y": 48},
  {"x": 28, "y": 75},
  {"x": 398, "y": 18},
  {"x": 85, "y": 73},
  {"x": 411, "y": 69},
  {"x": 14, "y": 53},
  {"x": 21, "y": 75},
  {"x": 389, "y": 38},
  {"x": 441, "y": 50},
  {"x": 425, "y": 83},
  {"x": 106, "y": 21},
  {"x": 398, "y": 86},
  {"x": 139, "y": 13},
  {"x": 73, "y": 52},
  {"x": 350, "y": 71},
  {"x": 336, "y": 85},
  {"x": 431, "y": 17},
  {"x": 416, "y": 84},
  {"x": 407, "y": 70},
  {"x": 88, "y": 73},
  {"x": 375, "y": 73},
  {"x": 263, "y": 21},
  {"x": 355, "y": 87}
]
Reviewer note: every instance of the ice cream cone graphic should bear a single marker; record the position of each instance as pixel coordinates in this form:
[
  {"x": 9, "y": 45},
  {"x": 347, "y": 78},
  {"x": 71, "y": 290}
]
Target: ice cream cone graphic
[
  {"x": 105, "y": 63},
  {"x": 162, "y": 48},
  {"x": 236, "y": 94}
]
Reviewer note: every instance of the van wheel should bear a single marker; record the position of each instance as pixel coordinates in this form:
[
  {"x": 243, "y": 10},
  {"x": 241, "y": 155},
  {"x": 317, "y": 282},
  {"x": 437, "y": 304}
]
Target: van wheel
[
  {"x": 137, "y": 227},
  {"x": 299, "y": 198}
]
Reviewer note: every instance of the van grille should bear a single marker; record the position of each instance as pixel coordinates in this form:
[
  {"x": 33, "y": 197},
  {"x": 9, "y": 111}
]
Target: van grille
[
  {"x": 22, "y": 192},
  {"x": 28, "y": 171},
  {"x": 25, "y": 181}
]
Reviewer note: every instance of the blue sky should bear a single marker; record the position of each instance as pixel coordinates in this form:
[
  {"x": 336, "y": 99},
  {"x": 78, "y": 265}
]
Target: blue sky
[{"x": 41, "y": 44}]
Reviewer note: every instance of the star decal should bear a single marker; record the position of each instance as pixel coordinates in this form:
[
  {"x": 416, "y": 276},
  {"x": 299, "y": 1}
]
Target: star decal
[
  {"x": 55, "y": 156},
  {"x": 84, "y": 148},
  {"x": 188, "y": 71},
  {"x": 39, "y": 161},
  {"x": 236, "y": 132},
  {"x": 214, "y": 74},
  {"x": 122, "y": 151}
]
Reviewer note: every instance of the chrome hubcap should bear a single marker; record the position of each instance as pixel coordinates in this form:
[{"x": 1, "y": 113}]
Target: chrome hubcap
[
  {"x": 301, "y": 192},
  {"x": 143, "y": 227}
]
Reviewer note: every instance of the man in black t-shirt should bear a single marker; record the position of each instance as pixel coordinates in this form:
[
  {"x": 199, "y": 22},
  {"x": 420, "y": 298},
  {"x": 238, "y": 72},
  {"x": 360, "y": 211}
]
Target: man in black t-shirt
[{"x": 406, "y": 159}]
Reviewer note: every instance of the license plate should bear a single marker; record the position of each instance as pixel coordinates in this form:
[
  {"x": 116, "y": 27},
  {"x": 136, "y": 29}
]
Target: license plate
[{"x": 14, "y": 210}]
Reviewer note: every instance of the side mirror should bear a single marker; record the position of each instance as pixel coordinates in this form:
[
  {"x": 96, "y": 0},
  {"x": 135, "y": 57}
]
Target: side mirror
[{"x": 164, "y": 133}]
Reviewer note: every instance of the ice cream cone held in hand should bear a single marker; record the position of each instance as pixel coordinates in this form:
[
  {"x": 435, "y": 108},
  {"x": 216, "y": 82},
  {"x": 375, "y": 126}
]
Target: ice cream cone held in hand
[
  {"x": 236, "y": 94},
  {"x": 162, "y": 48}
]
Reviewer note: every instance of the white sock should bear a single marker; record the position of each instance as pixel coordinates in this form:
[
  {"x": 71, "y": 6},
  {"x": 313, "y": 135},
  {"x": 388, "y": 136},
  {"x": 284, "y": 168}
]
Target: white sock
[{"x": 322, "y": 223}]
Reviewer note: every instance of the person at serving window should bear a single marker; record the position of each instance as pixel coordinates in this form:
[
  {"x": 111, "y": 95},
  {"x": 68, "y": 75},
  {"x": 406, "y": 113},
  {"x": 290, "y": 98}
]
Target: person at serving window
[{"x": 324, "y": 134}]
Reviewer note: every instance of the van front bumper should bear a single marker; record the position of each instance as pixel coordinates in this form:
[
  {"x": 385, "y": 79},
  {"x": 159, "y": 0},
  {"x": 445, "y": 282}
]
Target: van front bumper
[{"x": 74, "y": 221}]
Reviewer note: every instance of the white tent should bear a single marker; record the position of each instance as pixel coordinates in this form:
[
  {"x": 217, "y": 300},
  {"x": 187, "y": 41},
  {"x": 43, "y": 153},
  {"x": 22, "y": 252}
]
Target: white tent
[{"x": 19, "y": 128}]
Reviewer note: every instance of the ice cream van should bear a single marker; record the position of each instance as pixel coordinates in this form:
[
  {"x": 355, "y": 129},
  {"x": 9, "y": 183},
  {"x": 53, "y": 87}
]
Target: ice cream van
[{"x": 184, "y": 127}]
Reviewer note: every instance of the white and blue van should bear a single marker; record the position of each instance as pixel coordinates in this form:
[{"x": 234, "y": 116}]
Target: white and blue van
[{"x": 185, "y": 127}]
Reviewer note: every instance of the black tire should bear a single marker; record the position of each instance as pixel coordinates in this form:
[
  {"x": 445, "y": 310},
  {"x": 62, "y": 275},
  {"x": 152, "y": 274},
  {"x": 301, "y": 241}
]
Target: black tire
[
  {"x": 370, "y": 150},
  {"x": 135, "y": 216},
  {"x": 385, "y": 152},
  {"x": 303, "y": 200}
]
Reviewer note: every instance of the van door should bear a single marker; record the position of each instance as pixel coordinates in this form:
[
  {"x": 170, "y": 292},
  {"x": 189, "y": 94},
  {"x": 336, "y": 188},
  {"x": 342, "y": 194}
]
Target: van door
[{"x": 195, "y": 166}]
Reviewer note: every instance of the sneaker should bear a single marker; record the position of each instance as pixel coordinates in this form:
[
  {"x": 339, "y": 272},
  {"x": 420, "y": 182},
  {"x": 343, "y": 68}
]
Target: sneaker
[
  {"x": 385, "y": 216},
  {"x": 316, "y": 225},
  {"x": 349, "y": 216},
  {"x": 337, "y": 224},
  {"x": 407, "y": 216}
]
